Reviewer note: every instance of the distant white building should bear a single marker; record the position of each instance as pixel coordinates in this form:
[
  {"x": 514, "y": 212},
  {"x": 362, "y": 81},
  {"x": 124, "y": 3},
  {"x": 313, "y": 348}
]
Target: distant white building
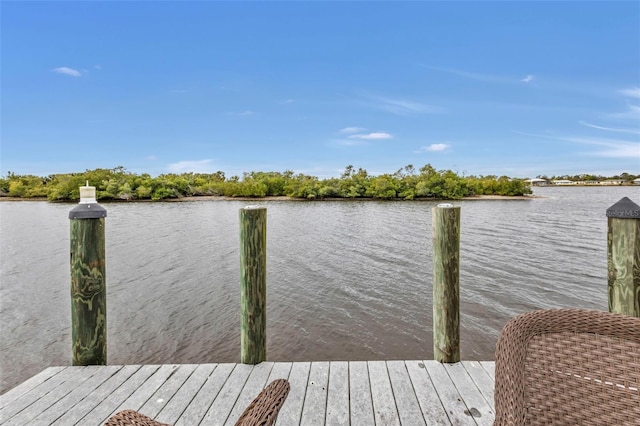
[
  {"x": 538, "y": 182},
  {"x": 563, "y": 182},
  {"x": 636, "y": 181}
]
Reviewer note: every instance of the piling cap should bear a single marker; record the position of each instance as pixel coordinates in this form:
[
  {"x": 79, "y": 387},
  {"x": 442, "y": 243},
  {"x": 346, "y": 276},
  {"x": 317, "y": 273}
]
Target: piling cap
[
  {"x": 88, "y": 207},
  {"x": 88, "y": 211},
  {"x": 624, "y": 209}
]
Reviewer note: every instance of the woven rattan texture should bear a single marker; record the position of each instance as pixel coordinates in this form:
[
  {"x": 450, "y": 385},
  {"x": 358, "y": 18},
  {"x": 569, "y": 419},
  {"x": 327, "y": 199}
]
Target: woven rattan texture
[
  {"x": 132, "y": 418},
  {"x": 262, "y": 411},
  {"x": 568, "y": 367}
]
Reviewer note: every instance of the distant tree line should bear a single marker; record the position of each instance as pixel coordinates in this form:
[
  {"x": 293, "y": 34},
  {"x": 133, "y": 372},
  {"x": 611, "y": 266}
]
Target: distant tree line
[
  {"x": 406, "y": 183},
  {"x": 586, "y": 177}
]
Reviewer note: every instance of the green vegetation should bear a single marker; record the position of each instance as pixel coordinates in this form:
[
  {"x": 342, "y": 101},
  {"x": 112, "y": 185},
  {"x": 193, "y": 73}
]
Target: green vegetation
[{"x": 407, "y": 183}]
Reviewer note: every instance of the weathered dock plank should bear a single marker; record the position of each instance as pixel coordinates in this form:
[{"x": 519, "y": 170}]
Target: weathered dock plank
[
  {"x": 315, "y": 401},
  {"x": 404, "y": 395},
  {"x": 179, "y": 402},
  {"x": 26, "y": 399},
  {"x": 280, "y": 370},
  {"x": 477, "y": 406},
  {"x": 255, "y": 383},
  {"x": 63, "y": 405},
  {"x": 292, "y": 409},
  {"x": 448, "y": 394},
  {"x": 167, "y": 390},
  {"x": 28, "y": 385},
  {"x": 490, "y": 368},
  {"x": 332, "y": 393},
  {"x": 202, "y": 401},
  {"x": 49, "y": 399},
  {"x": 432, "y": 409},
  {"x": 384, "y": 405},
  {"x": 360, "y": 402},
  {"x": 223, "y": 404},
  {"x": 107, "y": 406},
  {"x": 142, "y": 394},
  {"x": 481, "y": 378},
  {"x": 106, "y": 389},
  {"x": 338, "y": 394}
]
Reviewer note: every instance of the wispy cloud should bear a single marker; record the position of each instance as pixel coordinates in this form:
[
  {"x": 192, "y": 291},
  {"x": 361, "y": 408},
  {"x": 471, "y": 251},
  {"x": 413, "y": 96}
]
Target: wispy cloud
[
  {"x": 400, "y": 106},
  {"x": 350, "y": 142},
  {"x": 632, "y": 113},
  {"x": 348, "y": 130},
  {"x": 372, "y": 136},
  {"x": 611, "y": 129},
  {"x": 434, "y": 147},
  {"x": 288, "y": 101},
  {"x": 613, "y": 148},
  {"x": 245, "y": 113},
  {"x": 67, "y": 71},
  {"x": 633, "y": 92},
  {"x": 488, "y": 78},
  {"x": 197, "y": 166}
]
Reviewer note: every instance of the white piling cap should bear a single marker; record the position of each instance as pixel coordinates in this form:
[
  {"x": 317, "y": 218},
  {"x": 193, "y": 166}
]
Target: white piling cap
[{"x": 88, "y": 194}]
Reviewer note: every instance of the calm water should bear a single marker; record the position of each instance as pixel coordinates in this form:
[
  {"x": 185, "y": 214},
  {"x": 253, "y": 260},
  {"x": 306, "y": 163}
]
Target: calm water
[{"x": 346, "y": 280}]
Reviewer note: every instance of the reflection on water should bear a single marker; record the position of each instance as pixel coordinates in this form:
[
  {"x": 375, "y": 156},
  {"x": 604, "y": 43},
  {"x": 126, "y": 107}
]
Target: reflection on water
[{"x": 347, "y": 280}]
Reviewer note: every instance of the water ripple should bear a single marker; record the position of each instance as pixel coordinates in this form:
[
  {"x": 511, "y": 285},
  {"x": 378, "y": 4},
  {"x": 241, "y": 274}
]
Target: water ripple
[{"x": 346, "y": 280}]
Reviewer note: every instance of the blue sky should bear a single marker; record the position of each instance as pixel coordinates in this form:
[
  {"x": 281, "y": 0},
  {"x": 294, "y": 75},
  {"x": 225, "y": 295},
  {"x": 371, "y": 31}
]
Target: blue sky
[{"x": 506, "y": 88}]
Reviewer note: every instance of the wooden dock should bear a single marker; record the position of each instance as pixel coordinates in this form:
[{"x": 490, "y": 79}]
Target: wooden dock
[{"x": 332, "y": 393}]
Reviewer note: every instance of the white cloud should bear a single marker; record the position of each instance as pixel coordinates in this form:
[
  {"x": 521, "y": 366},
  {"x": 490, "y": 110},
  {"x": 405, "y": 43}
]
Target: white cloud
[
  {"x": 197, "y": 166},
  {"x": 372, "y": 136},
  {"x": 434, "y": 147},
  {"x": 633, "y": 113},
  {"x": 288, "y": 101},
  {"x": 529, "y": 78},
  {"x": 633, "y": 92},
  {"x": 348, "y": 130},
  {"x": 610, "y": 129},
  {"x": 67, "y": 71}
]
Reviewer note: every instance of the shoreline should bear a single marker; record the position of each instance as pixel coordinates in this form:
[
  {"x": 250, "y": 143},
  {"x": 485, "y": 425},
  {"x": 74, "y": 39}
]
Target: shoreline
[{"x": 280, "y": 198}]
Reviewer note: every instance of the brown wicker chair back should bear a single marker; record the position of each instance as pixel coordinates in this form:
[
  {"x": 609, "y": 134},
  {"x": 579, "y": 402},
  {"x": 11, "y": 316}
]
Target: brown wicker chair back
[
  {"x": 568, "y": 367},
  {"x": 262, "y": 411}
]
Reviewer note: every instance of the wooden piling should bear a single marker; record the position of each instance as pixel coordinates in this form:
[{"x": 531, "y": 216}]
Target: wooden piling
[
  {"x": 88, "y": 283},
  {"x": 623, "y": 257},
  {"x": 253, "y": 285},
  {"x": 445, "y": 222}
]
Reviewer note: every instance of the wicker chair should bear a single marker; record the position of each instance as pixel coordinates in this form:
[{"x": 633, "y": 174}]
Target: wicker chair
[
  {"x": 568, "y": 367},
  {"x": 262, "y": 411}
]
